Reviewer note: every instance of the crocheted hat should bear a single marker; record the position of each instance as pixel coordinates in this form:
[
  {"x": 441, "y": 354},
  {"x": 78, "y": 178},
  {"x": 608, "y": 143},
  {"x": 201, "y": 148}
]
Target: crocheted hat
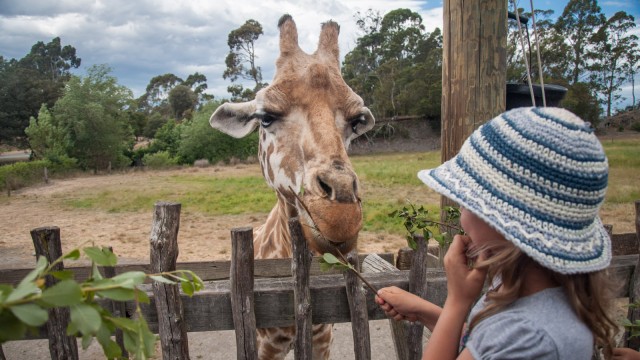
[{"x": 538, "y": 176}]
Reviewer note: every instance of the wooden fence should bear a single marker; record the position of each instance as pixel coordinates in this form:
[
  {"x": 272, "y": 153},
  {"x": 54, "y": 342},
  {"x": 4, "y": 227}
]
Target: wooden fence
[{"x": 241, "y": 294}]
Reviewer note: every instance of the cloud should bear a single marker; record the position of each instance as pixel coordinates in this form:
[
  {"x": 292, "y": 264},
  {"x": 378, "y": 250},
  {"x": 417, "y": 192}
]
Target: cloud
[{"x": 142, "y": 39}]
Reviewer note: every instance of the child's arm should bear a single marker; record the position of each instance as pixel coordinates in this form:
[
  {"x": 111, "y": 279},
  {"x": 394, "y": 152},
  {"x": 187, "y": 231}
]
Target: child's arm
[
  {"x": 464, "y": 285},
  {"x": 625, "y": 354},
  {"x": 402, "y": 305}
]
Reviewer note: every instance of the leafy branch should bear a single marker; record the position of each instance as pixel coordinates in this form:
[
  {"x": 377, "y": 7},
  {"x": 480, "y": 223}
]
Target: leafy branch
[
  {"x": 24, "y": 307},
  {"x": 632, "y": 327},
  {"x": 418, "y": 220},
  {"x": 329, "y": 261}
]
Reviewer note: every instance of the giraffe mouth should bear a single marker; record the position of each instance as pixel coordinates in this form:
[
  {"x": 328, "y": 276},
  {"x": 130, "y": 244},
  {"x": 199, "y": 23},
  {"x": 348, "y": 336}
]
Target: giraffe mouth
[{"x": 331, "y": 226}]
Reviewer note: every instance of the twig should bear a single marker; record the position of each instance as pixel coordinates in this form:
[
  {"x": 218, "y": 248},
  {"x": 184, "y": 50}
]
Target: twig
[{"x": 346, "y": 262}]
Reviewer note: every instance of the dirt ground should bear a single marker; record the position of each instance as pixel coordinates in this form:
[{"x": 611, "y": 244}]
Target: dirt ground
[{"x": 201, "y": 237}]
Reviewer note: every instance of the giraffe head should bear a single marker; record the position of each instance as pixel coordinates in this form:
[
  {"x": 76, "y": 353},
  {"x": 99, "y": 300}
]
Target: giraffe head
[{"x": 307, "y": 118}]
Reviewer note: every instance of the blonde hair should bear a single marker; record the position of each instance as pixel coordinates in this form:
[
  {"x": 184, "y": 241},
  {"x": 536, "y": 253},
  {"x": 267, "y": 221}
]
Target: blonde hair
[{"x": 589, "y": 294}]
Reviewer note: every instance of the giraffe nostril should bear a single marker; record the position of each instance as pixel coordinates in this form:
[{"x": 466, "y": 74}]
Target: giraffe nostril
[{"x": 326, "y": 188}]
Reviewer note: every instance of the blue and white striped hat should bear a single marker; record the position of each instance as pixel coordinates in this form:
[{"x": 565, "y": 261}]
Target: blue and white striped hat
[{"x": 538, "y": 176}]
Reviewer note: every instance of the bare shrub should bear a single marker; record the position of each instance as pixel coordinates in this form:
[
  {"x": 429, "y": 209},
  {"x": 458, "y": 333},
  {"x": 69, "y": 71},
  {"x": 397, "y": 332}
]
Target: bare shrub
[{"x": 201, "y": 163}]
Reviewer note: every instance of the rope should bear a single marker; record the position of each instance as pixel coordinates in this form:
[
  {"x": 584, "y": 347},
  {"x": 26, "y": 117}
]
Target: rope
[
  {"x": 533, "y": 99},
  {"x": 535, "y": 33}
]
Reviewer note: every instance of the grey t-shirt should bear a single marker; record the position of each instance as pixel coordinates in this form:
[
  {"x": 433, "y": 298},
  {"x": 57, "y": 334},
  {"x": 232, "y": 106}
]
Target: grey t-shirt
[{"x": 539, "y": 326}]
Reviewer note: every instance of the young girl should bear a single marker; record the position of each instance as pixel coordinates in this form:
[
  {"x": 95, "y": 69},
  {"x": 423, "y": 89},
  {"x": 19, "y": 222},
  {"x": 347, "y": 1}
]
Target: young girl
[{"x": 529, "y": 183}]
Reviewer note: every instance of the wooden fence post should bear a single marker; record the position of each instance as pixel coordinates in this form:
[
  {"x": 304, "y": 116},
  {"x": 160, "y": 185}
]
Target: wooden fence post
[
  {"x": 417, "y": 286},
  {"x": 634, "y": 289},
  {"x": 46, "y": 241},
  {"x": 358, "y": 310},
  {"x": 242, "y": 298},
  {"x": 118, "y": 308},
  {"x": 164, "y": 253},
  {"x": 300, "y": 271}
]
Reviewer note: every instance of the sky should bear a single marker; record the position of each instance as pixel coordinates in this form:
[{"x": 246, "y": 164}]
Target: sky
[{"x": 140, "y": 39}]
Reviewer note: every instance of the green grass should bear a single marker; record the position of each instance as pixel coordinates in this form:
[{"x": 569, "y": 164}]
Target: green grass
[
  {"x": 624, "y": 171},
  {"x": 388, "y": 182},
  {"x": 203, "y": 194}
]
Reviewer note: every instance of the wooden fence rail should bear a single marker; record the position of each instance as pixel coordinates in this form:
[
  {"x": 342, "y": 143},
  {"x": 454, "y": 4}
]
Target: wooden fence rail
[{"x": 279, "y": 299}]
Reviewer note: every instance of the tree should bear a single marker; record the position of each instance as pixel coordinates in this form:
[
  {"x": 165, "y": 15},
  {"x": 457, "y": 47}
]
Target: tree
[
  {"x": 582, "y": 101},
  {"x": 183, "y": 101},
  {"x": 614, "y": 47},
  {"x": 156, "y": 96},
  {"x": 241, "y": 60},
  {"x": 579, "y": 20},
  {"x": 388, "y": 59},
  {"x": 92, "y": 111},
  {"x": 46, "y": 139},
  {"x": 26, "y": 84},
  {"x": 51, "y": 60}
]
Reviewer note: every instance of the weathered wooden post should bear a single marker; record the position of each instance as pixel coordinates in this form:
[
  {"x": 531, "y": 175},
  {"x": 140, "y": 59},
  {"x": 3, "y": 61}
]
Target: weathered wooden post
[
  {"x": 358, "y": 311},
  {"x": 634, "y": 288},
  {"x": 164, "y": 253},
  {"x": 417, "y": 286},
  {"x": 46, "y": 241},
  {"x": 474, "y": 66},
  {"x": 300, "y": 270},
  {"x": 242, "y": 298},
  {"x": 374, "y": 264}
]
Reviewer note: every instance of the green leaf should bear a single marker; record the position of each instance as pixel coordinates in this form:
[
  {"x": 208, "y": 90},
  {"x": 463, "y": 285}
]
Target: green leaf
[
  {"x": 109, "y": 347},
  {"x": 118, "y": 294},
  {"x": 41, "y": 265},
  {"x": 62, "y": 274},
  {"x": 72, "y": 255},
  {"x": 5, "y": 290},
  {"x": 64, "y": 293},
  {"x": 123, "y": 323},
  {"x": 12, "y": 328},
  {"x": 86, "y": 319},
  {"x": 188, "y": 288},
  {"x": 129, "y": 279},
  {"x": 101, "y": 256},
  {"x": 23, "y": 290},
  {"x": 161, "y": 279},
  {"x": 142, "y": 296},
  {"x": 325, "y": 266},
  {"x": 329, "y": 258},
  {"x": 30, "y": 314},
  {"x": 95, "y": 272},
  {"x": 148, "y": 338},
  {"x": 87, "y": 339}
]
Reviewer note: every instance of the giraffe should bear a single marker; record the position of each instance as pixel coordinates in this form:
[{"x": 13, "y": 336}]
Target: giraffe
[{"x": 307, "y": 118}]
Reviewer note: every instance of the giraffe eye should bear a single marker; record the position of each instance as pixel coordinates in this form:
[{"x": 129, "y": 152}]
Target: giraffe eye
[
  {"x": 266, "y": 119},
  {"x": 354, "y": 122}
]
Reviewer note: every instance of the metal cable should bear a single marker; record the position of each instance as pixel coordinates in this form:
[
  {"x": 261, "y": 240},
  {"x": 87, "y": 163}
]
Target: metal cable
[
  {"x": 515, "y": 7},
  {"x": 535, "y": 33}
]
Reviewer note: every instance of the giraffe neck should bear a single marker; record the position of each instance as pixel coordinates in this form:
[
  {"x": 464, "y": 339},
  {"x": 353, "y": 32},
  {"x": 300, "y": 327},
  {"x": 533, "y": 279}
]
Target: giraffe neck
[{"x": 272, "y": 240}]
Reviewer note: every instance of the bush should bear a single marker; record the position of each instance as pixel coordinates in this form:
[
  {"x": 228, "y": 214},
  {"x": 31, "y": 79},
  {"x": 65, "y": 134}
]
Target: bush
[
  {"x": 22, "y": 174},
  {"x": 200, "y": 141},
  {"x": 635, "y": 126},
  {"x": 159, "y": 160}
]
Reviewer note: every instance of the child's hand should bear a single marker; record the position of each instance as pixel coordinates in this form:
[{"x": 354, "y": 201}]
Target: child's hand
[
  {"x": 464, "y": 284},
  {"x": 625, "y": 354},
  {"x": 399, "y": 304}
]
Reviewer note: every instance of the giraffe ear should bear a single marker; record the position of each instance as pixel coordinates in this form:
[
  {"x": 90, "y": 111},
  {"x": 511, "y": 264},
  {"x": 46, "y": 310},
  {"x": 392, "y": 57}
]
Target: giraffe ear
[{"x": 235, "y": 119}]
